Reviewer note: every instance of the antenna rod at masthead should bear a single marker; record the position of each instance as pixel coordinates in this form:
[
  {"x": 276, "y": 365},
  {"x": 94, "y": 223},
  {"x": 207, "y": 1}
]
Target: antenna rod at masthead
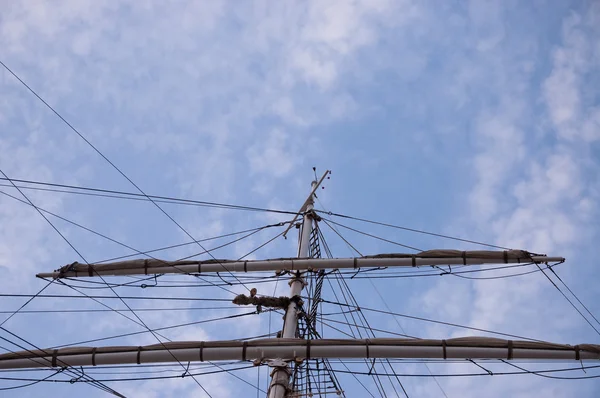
[{"x": 315, "y": 185}]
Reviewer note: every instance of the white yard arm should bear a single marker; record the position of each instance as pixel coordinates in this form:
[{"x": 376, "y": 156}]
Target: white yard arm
[
  {"x": 427, "y": 258},
  {"x": 298, "y": 349}
]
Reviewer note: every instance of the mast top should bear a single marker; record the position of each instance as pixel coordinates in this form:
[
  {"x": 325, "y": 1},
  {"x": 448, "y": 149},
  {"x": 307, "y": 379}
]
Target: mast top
[{"x": 309, "y": 200}]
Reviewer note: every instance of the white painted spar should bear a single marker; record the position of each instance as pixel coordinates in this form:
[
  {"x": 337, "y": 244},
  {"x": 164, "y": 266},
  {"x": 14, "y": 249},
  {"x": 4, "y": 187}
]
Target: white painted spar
[
  {"x": 290, "y": 264},
  {"x": 294, "y": 349}
]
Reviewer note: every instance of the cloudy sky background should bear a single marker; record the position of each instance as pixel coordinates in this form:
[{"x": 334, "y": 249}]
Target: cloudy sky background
[{"x": 476, "y": 119}]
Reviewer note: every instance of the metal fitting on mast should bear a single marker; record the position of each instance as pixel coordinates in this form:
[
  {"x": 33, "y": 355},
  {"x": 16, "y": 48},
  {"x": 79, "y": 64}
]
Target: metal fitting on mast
[{"x": 280, "y": 376}]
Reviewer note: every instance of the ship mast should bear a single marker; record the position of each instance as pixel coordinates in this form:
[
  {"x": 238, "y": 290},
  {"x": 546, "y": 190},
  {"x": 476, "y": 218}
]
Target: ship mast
[
  {"x": 280, "y": 376},
  {"x": 288, "y": 348}
]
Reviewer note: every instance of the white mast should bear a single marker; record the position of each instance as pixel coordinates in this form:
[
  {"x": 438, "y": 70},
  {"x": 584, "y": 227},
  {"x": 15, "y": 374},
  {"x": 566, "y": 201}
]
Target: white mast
[{"x": 281, "y": 374}]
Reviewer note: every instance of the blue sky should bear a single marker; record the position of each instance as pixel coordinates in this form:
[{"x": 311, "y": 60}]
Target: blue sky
[{"x": 476, "y": 119}]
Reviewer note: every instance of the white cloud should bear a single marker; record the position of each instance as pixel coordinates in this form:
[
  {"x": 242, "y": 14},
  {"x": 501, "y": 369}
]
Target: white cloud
[
  {"x": 174, "y": 89},
  {"x": 272, "y": 156},
  {"x": 221, "y": 101},
  {"x": 566, "y": 93},
  {"x": 525, "y": 195}
]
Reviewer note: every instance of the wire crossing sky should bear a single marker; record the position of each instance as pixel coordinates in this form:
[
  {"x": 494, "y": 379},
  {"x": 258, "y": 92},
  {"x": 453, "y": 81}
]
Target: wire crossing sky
[{"x": 445, "y": 125}]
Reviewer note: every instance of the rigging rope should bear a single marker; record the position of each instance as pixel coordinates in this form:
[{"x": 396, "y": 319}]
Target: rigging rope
[
  {"x": 115, "y": 293},
  {"x": 137, "y": 196},
  {"x": 413, "y": 230}
]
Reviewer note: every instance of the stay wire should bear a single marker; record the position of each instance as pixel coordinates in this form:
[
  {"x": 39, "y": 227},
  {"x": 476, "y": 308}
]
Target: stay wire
[
  {"x": 114, "y": 292},
  {"x": 42, "y": 214},
  {"x": 342, "y": 238},
  {"x": 360, "y": 254},
  {"x": 188, "y": 243},
  {"x": 139, "y": 322},
  {"x": 13, "y": 313},
  {"x": 116, "y": 168},
  {"x": 324, "y": 323},
  {"x": 413, "y": 230},
  {"x": 99, "y": 368},
  {"x": 572, "y": 293},
  {"x": 67, "y": 311},
  {"x": 568, "y": 300},
  {"x": 415, "y": 274},
  {"x": 136, "y": 196},
  {"x": 155, "y": 333},
  {"x": 367, "y": 326},
  {"x": 370, "y": 328},
  {"x": 371, "y": 235},
  {"x": 134, "y": 369},
  {"x": 49, "y": 283},
  {"x": 62, "y": 296},
  {"x": 360, "y": 315},
  {"x": 249, "y": 232},
  {"x": 135, "y": 333},
  {"x": 345, "y": 315},
  {"x": 22, "y": 348},
  {"x": 439, "y": 322},
  {"x": 138, "y": 252},
  {"x": 403, "y": 331},
  {"x": 540, "y": 374},
  {"x": 88, "y": 379},
  {"x": 224, "y": 370},
  {"x": 180, "y": 325},
  {"x": 357, "y": 379},
  {"x": 31, "y": 383},
  {"x": 495, "y": 373},
  {"x": 483, "y": 278},
  {"x": 165, "y": 284},
  {"x": 227, "y": 244},
  {"x": 261, "y": 246},
  {"x": 39, "y": 210}
]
